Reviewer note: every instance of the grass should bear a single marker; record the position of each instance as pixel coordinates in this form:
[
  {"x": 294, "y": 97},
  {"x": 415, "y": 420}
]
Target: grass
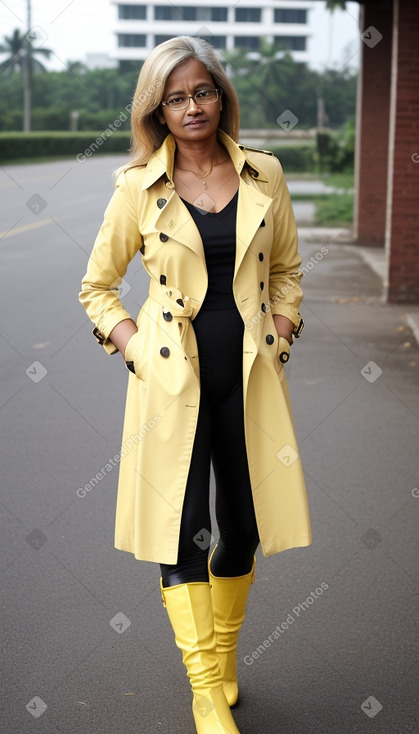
[
  {"x": 340, "y": 180},
  {"x": 334, "y": 210}
]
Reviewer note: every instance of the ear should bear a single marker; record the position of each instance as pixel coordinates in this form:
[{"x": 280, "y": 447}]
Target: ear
[{"x": 160, "y": 115}]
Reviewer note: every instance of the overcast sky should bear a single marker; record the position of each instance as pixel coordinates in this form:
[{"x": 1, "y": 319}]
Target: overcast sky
[{"x": 73, "y": 28}]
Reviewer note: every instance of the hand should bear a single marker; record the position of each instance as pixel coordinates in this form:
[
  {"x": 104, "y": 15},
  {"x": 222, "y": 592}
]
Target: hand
[
  {"x": 284, "y": 327},
  {"x": 122, "y": 333}
]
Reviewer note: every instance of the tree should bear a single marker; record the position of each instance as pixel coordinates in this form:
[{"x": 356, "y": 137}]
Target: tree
[
  {"x": 18, "y": 46},
  {"x": 22, "y": 58},
  {"x": 273, "y": 82}
]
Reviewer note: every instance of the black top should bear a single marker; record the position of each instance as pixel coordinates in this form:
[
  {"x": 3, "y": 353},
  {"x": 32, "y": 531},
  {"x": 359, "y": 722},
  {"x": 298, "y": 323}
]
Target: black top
[{"x": 218, "y": 233}]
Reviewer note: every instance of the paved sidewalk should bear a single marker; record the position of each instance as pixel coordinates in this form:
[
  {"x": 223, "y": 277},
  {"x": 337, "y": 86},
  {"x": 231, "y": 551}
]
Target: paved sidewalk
[{"x": 374, "y": 257}]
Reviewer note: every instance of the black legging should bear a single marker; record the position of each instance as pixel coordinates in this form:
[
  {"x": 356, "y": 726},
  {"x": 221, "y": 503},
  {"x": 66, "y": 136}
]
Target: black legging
[{"x": 219, "y": 438}]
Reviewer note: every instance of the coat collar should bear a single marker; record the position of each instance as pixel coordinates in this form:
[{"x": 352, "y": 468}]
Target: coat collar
[{"x": 162, "y": 161}]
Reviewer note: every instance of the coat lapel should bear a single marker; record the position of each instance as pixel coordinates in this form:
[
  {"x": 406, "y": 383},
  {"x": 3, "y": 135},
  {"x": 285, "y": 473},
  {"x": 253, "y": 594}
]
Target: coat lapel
[
  {"x": 175, "y": 221},
  {"x": 252, "y": 208}
]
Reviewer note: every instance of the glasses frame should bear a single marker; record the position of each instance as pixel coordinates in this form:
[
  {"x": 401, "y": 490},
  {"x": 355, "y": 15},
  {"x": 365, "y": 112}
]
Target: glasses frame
[{"x": 192, "y": 96}]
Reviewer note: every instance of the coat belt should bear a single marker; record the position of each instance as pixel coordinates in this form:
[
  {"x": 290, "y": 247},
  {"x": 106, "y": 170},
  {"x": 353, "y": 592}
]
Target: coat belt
[{"x": 172, "y": 300}]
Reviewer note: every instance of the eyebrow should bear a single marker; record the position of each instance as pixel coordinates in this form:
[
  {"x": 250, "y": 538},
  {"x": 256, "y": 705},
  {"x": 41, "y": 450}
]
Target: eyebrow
[{"x": 182, "y": 91}]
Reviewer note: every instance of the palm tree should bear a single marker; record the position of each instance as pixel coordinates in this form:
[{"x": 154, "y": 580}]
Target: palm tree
[
  {"x": 21, "y": 52},
  {"x": 17, "y": 46}
]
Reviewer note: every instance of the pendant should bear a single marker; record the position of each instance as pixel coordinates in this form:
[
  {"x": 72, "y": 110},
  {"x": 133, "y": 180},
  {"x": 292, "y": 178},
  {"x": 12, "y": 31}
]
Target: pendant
[{"x": 204, "y": 184}]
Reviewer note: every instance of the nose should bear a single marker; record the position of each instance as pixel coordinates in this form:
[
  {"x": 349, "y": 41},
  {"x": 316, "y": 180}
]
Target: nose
[{"x": 192, "y": 106}]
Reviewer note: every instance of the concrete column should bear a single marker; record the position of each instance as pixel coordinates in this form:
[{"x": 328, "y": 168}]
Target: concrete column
[
  {"x": 402, "y": 232},
  {"x": 373, "y": 108}
]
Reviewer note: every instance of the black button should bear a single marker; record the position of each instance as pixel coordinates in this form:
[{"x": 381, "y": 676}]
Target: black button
[
  {"x": 262, "y": 285},
  {"x": 261, "y": 256},
  {"x": 163, "y": 237},
  {"x": 263, "y": 307},
  {"x": 161, "y": 203},
  {"x": 180, "y": 302},
  {"x": 283, "y": 357},
  {"x": 263, "y": 223},
  {"x": 165, "y": 351},
  {"x": 167, "y": 316},
  {"x": 270, "y": 339},
  {"x": 163, "y": 280},
  {"x": 255, "y": 174}
]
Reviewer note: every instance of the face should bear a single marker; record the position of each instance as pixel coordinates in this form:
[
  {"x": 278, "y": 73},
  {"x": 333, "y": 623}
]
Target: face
[{"x": 194, "y": 122}]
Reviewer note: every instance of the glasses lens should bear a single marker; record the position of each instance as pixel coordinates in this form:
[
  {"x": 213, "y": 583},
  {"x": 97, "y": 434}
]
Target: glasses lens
[
  {"x": 206, "y": 96},
  {"x": 177, "y": 103}
]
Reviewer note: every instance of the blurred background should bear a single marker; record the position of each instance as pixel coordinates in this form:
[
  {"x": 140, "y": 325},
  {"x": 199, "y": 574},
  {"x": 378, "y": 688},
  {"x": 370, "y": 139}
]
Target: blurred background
[{"x": 74, "y": 68}]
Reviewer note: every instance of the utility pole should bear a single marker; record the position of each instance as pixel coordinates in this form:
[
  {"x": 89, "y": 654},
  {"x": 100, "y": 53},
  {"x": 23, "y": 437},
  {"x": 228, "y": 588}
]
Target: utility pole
[{"x": 27, "y": 75}]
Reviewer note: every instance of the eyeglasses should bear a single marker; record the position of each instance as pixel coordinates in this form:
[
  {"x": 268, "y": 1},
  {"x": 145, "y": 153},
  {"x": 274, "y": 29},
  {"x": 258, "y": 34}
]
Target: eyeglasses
[{"x": 203, "y": 97}]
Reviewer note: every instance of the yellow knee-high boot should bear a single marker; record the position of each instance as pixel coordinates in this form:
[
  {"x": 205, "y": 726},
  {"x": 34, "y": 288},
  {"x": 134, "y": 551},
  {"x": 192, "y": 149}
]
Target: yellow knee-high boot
[
  {"x": 229, "y": 597},
  {"x": 190, "y": 612}
]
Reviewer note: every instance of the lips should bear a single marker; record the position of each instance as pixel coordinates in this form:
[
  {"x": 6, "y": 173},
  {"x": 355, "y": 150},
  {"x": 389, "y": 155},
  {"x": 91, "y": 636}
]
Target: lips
[{"x": 195, "y": 123}]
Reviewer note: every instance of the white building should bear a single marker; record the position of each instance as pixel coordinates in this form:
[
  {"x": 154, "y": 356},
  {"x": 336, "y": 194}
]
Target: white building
[{"x": 140, "y": 26}]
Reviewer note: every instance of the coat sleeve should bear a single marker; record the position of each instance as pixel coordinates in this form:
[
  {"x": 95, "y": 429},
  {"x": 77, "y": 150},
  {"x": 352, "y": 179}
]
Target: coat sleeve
[
  {"x": 116, "y": 244},
  {"x": 284, "y": 275}
]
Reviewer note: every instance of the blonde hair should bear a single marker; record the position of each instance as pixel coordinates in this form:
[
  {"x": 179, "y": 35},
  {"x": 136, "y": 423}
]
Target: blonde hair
[{"x": 148, "y": 133}]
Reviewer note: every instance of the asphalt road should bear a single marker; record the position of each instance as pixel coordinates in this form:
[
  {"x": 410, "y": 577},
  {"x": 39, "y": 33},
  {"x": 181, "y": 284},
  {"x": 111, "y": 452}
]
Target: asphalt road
[{"x": 86, "y": 644}]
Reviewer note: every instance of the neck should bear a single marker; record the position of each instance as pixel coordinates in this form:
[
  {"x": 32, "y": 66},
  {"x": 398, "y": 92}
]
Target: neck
[{"x": 199, "y": 155}]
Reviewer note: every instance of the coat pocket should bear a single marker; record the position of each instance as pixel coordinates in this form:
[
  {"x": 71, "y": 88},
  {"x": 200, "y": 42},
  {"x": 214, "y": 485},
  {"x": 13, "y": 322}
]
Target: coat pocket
[
  {"x": 279, "y": 346},
  {"x": 282, "y": 352},
  {"x": 134, "y": 352}
]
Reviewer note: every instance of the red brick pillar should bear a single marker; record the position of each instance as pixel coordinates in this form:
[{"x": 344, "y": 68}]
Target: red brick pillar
[
  {"x": 402, "y": 233},
  {"x": 373, "y": 106}
]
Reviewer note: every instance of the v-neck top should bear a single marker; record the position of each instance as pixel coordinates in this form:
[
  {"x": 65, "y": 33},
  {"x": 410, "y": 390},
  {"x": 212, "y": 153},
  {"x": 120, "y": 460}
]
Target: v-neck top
[{"x": 218, "y": 233}]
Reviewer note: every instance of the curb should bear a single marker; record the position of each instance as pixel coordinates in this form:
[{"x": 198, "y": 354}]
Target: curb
[
  {"x": 413, "y": 321},
  {"x": 340, "y": 235}
]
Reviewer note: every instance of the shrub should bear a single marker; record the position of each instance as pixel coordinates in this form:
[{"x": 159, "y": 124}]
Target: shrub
[
  {"x": 296, "y": 158},
  {"x": 44, "y": 144}
]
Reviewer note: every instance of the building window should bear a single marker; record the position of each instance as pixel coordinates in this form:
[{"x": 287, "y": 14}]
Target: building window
[
  {"x": 248, "y": 15},
  {"x": 164, "y": 12},
  {"x": 219, "y": 14},
  {"x": 290, "y": 15},
  {"x": 131, "y": 40},
  {"x": 161, "y": 39},
  {"x": 250, "y": 43},
  {"x": 291, "y": 43},
  {"x": 167, "y": 12},
  {"x": 132, "y": 12},
  {"x": 184, "y": 12},
  {"x": 219, "y": 42}
]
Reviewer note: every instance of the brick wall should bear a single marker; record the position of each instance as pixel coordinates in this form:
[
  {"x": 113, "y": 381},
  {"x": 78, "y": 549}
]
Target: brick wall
[
  {"x": 373, "y": 110},
  {"x": 402, "y": 234}
]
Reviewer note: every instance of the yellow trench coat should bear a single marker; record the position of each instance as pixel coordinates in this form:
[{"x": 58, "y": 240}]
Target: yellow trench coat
[{"x": 145, "y": 214}]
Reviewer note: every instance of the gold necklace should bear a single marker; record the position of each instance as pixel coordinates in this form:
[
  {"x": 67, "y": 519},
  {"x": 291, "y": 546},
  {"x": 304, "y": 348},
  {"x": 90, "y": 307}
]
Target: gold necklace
[{"x": 204, "y": 183}]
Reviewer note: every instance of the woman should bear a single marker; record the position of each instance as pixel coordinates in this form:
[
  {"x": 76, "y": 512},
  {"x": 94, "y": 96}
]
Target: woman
[{"x": 214, "y": 225}]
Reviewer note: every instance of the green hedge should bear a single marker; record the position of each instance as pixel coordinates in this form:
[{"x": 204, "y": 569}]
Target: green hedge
[
  {"x": 297, "y": 158},
  {"x": 51, "y": 143},
  {"x": 58, "y": 118}
]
